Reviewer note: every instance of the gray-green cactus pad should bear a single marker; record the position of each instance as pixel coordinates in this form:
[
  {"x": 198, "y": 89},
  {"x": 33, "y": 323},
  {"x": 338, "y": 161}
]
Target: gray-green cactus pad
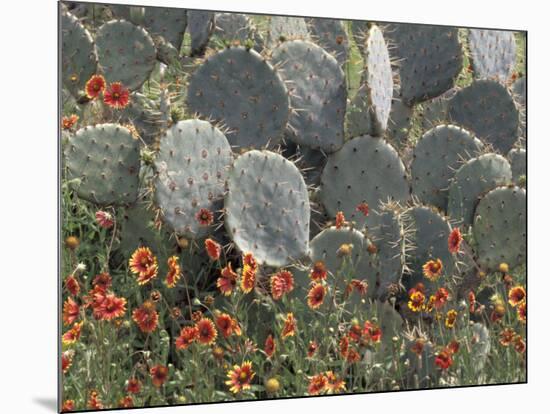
[
  {"x": 126, "y": 53},
  {"x": 359, "y": 29},
  {"x": 78, "y": 54},
  {"x": 192, "y": 165},
  {"x": 472, "y": 181},
  {"x": 435, "y": 111},
  {"x": 239, "y": 88},
  {"x": 200, "y": 25},
  {"x": 400, "y": 122},
  {"x": 430, "y": 58},
  {"x": 283, "y": 28},
  {"x": 331, "y": 35},
  {"x": 487, "y": 108},
  {"x": 437, "y": 155},
  {"x": 518, "y": 162},
  {"x": 103, "y": 161},
  {"x": 144, "y": 115},
  {"x": 493, "y": 53},
  {"x": 267, "y": 208},
  {"x": 365, "y": 170},
  {"x": 500, "y": 227},
  {"x": 166, "y": 22},
  {"x": 237, "y": 27},
  {"x": 318, "y": 94}
]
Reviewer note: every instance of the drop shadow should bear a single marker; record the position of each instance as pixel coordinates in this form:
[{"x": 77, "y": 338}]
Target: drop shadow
[{"x": 46, "y": 402}]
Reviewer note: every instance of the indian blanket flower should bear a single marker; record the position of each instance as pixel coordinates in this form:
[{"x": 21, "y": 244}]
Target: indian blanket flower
[
  {"x": 146, "y": 317},
  {"x": 71, "y": 311},
  {"x": 126, "y": 402},
  {"x": 318, "y": 271},
  {"x": 72, "y": 285},
  {"x": 72, "y": 335},
  {"x": 311, "y": 349},
  {"x": 522, "y": 312},
  {"x": 206, "y": 331},
  {"x": 205, "y": 217},
  {"x": 104, "y": 219},
  {"x": 66, "y": 360},
  {"x": 289, "y": 327},
  {"x": 94, "y": 401},
  {"x": 441, "y": 297},
  {"x": 363, "y": 208},
  {"x": 134, "y": 386},
  {"x": 94, "y": 86},
  {"x": 344, "y": 346},
  {"x": 68, "y": 122},
  {"x": 159, "y": 375},
  {"x": 340, "y": 220},
  {"x": 227, "y": 281},
  {"x": 450, "y": 319},
  {"x": 103, "y": 280},
  {"x": 316, "y": 296},
  {"x": 516, "y": 295},
  {"x": 416, "y": 301},
  {"x": 506, "y": 336},
  {"x": 213, "y": 249},
  {"x": 111, "y": 307},
  {"x": 317, "y": 384},
  {"x": 444, "y": 359},
  {"x": 248, "y": 277},
  {"x": 519, "y": 344},
  {"x": 240, "y": 377},
  {"x": 116, "y": 96},
  {"x": 455, "y": 240},
  {"x": 355, "y": 332},
  {"x": 269, "y": 346},
  {"x": 472, "y": 301},
  {"x": 68, "y": 406},
  {"x": 453, "y": 346},
  {"x": 227, "y": 325},
  {"x": 174, "y": 271},
  {"x": 187, "y": 336},
  {"x": 372, "y": 332},
  {"x": 359, "y": 286},
  {"x": 281, "y": 283},
  {"x": 432, "y": 269},
  {"x": 144, "y": 264},
  {"x": 334, "y": 384}
]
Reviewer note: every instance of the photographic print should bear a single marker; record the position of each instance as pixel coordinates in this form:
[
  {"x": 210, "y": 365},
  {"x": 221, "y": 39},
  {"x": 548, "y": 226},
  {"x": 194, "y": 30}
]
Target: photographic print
[{"x": 258, "y": 207}]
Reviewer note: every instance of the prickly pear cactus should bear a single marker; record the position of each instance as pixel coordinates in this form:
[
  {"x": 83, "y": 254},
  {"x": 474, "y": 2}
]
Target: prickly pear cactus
[
  {"x": 168, "y": 23},
  {"x": 200, "y": 25},
  {"x": 126, "y": 53},
  {"x": 493, "y": 53},
  {"x": 399, "y": 123},
  {"x": 78, "y": 54},
  {"x": 192, "y": 165},
  {"x": 430, "y": 58},
  {"x": 236, "y": 27},
  {"x": 437, "y": 155},
  {"x": 519, "y": 89},
  {"x": 365, "y": 170},
  {"x": 472, "y": 181},
  {"x": 518, "y": 162},
  {"x": 331, "y": 35},
  {"x": 318, "y": 94},
  {"x": 102, "y": 164},
  {"x": 240, "y": 89},
  {"x": 487, "y": 108},
  {"x": 283, "y": 28},
  {"x": 500, "y": 226},
  {"x": 267, "y": 208},
  {"x": 435, "y": 111},
  {"x": 144, "y": 115}
]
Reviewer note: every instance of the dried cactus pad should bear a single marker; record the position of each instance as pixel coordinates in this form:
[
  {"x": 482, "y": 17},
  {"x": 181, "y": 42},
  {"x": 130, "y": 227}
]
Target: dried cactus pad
[
  {"x": 318, "y": 93},
  {"x": 472, "y": 181},
  {"x": 365, "y": 170},
  {"x": 192, "y": 166},
  {"x": 166, "y": 22},
  {"x": 267, "y": 208},
  {"x": 331, "y": 35},
  {"x": 104, "y": 162},
  {"x": 493, "y": 53},
  {"x": 436, "y": 157},
  {"x": 78, "y": 55},
  {"x": 487, "y": 108},
  {"x": 500, "y": 225},
  {"x": 239, "y": 88},
  {"x": 430, "y": 58},
  {"x": 126, "y": 53}
]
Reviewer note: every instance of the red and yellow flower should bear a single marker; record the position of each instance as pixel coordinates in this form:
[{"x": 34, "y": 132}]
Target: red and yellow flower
[
  {"x": 289, "y": 327},
  {"x": 317, "y": 384},
  {"x": 94, "y": 86},
  {"x": 522, "y": 312},
  {"x": 146, "y": 317},
  {"x": 116, "y": 96},
  {"x": 205, "y": 217},
  {"x": 416, "y": 301},
  {"x": 318, "y": 271},
  {"x": 340, "y": 220},
  {"x": 71, "y": 311},
  {"x": 206, "y": 331},
  {"x": 72, "y": 285},
  {"x": 334, "y": 384},
  {"x": 159, "y": 375},
  {"x": 248, "y": 277},
  {"x": 143, "y": 263},
  {"x": 372, "y": 332},
  {"x": 441, "y": 297},
  {"x": 450, "y": 318},
  {"x": 444, "y": 359},
  {"x": 363, "y": 208},
  {"x": 68, "y": 122},
  {"x": 281, "y": 284},
  {"x": 269, "y": 346},
  {"x": 227, "y": 325},
  {"x": 506, "y": 336},
  {"x": 110, "y": 307},
  {"x": 316, "y": 295},
  {"x": 187, "y": 336},
  {"x": 94, "y": 401},
  {"x": 213, "y": 249},
  {"x": 66, "y": 360},
  {"x": 432, "y": 269},
  {"x": 227, "y": 281},
  {"x": 455, "y": 240},
  {"x": 516, "y": 295},
  {"x": 134, "y": 386},
  {"x": 240, "y": 377},
  {"x": 72, "y": 335},
  {"x": 174, "y": 271}
]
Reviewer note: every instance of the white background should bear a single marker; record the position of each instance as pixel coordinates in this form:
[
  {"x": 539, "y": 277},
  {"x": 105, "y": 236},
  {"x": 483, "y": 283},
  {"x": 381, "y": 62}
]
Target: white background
[{"x": 28, "y": 145}]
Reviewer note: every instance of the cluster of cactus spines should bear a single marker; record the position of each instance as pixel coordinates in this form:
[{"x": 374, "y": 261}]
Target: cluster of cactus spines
[
  {"x": 331, "y": 35},
  {"x": 317, "y": 88},
  {"x": 103, "y": 164},
  {"x": 78, "y": 54},
  {"x": 191, "y": 166},
  {"x": 359, "y": 29},
  {"x": 487, "y": 108},
  {"x": 518, "y": 162},
  {"x": 499, "y": 227},
  {"x": 237, "y": 27},
  {"x": 435, "y": 111},
  {"x": 471, "y": 181},
  {"x": 267, "y": 208},
  {"x": 519, "y": 88},
  {"x": 239, "y": 88},
  {"x": 365, "y": 170},
  {"x": 493, "y": 53},
  {"x": 126, "y": 53},
  {"x": 200, "y": 25},
  {"x": 283, "y": 28},
  {"x": 436, "y": 157},
  {"x": 168, "y": 23},
  {"x": 429, "y": 59}
]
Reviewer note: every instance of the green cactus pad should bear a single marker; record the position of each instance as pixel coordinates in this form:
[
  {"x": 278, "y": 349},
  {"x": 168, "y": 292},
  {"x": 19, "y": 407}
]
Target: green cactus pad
[
  {"x": 192, "y": 166},
  {"x": 400, "y": 122},
  {"x": 78, "y": 54},
  {"x": 283, "y": 28},
  {"x": 237, "y": 27},
  {"x": 429, "y": 59},
  {"x": 331, "y": 35},
  {"x": 435, "y": 111},
  {"x": 493, "y": 53},
  {"x": 365, "y": 170},
  {"x": 518, "y": 162},
  {"x": 437, "y": 155},
  {"x": 487, "y": 108},
  {"x": 239, "y": 88},
  {"x": 267, "y": 208},
  {"x": 318, "y": 94},
  {"x": 500, "y": 227},
  {"x": 126, "y": 53},
  {"x": 200, "y": 25},
  {"x": 144, "y": 115},
  {"x": 104, "y": 162},
  {"x": 166, "y": 22},
  {"x": 472, "y": 181}
]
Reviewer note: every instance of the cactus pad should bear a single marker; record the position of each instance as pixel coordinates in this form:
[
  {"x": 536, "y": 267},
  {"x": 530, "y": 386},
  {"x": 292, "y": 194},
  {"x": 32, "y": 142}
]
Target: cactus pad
[
  {"x": 200, "y": 25},
  {"x": 435, "y": 111},
  {"x": 166, "y": 22},
  {"x": 518, "y": 162},
  {"x": 331, "y": 35},
  {"x": 493, "y": 53},
  {"x": 237, "y": 27},
  {"x": 283, "y": 28}
]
